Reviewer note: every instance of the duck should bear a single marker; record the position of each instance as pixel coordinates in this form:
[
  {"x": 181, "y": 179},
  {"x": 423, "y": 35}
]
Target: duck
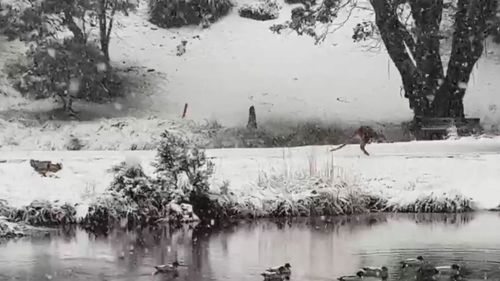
[
  {"x": 454, "y": 270},
  {"x": 167, "y": 268},
  {"x": 275, "y": 275},
  {"x": 358, "y": 277},
  {"x": 283, "y": 269},
  {"x": 412, "y": 262},
  {"x": 426, "y": 270},
  {"x": 375, "y": 271}
]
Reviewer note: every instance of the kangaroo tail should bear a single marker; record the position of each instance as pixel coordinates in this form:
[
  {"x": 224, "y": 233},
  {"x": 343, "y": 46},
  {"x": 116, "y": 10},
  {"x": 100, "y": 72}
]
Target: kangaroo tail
[{"x": 339, "y": 147}]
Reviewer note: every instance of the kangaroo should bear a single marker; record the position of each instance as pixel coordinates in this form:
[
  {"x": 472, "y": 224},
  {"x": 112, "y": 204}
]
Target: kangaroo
[
  {"x": 365, "y": 134},
  {"x": 43, "y": 167}
]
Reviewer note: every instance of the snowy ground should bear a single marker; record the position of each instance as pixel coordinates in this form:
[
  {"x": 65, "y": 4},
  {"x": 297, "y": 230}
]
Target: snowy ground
[{"x": 401, "y": 171}]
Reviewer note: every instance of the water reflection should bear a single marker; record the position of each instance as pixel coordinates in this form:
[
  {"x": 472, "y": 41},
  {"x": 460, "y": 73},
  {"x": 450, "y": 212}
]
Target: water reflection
[{"x": 318, "y": 249}]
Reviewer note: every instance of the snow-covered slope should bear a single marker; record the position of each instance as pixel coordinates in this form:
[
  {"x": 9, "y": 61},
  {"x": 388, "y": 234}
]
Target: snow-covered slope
[{"x": 238, "y": 62}]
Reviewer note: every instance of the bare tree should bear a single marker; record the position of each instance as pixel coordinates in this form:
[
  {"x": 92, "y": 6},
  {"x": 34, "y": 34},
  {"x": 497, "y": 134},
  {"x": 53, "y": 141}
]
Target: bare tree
[{"x": 105, "y": 11}]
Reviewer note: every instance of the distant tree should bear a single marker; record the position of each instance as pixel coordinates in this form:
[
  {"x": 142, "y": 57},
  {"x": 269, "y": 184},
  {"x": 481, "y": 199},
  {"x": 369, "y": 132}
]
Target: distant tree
[
  {"x": 413, "y": 32},
  {"x": 177, "y": 13},
  {"x": 69, "y": 68},
  {"x": 105, "y": 11}
]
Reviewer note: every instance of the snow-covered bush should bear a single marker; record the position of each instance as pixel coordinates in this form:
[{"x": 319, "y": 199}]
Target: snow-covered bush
[
  {"x": 181, "y": 167},
  {"x": 65, "y": 69},
  {"x": 305, "y": 2},
  {"x": 44, "y": 213},
  {"x": 435, "y": 203},
  {"x": 177, "y": 13},
  {"x": 131, "y": 198},
  {"x": 183, "y": 170},
  {"x": 134, "y": 199},
  {"x": 260, "y": 10}
]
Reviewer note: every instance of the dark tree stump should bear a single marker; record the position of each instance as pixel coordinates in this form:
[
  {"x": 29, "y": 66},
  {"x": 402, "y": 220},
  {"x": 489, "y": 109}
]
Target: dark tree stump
[
  {"x": 252, "y": 118},
  {"x": 184, "y": 112}
]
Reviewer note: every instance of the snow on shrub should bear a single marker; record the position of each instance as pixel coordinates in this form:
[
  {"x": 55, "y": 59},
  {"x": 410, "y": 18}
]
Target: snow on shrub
[
  {"x": 327, "y": 191},
  {"x": 261, "y": 10},
  {"x": 178, "y": 13},
  {"x": 55, "y": 68},
  {"x": 44, "y": 213},
  {"x": 133, "y": 198},
  {"x": 183, "y": 170}
]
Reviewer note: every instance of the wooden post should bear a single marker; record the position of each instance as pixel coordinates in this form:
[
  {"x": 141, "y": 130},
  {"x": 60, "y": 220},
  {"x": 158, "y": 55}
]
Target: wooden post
[
  {"x": 252, "y": 118},
  {"x": 185, "y": 110}
]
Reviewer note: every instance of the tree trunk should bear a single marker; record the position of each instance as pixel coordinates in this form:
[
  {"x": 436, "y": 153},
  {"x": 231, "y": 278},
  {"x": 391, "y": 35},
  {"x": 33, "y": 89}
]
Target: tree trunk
[
  {"x": 471, "y": 28},
  {"x": 78, "y": 34},
  {"x": 105, "y": 26},
  {"x": 430, "y": 92},
  {"x": 401, "y": 48}
]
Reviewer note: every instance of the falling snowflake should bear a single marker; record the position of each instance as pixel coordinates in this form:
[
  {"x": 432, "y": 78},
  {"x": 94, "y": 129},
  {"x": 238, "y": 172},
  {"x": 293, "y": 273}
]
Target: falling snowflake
[
  {"x": 118, "y": 106},
  {"x": 440, "y": 82},
  {"x": 74, "y": 85},
  {"x": 101, "y": 67},
  {"x": 462, "y": 85},
  {"x": 51, "y": 52}
]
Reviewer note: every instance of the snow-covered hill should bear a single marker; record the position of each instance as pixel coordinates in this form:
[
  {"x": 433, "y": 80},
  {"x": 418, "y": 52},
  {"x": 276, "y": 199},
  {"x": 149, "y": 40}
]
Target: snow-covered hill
[{"x": 238, "y": 62}]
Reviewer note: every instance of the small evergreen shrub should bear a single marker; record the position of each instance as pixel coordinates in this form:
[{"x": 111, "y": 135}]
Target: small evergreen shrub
[
  {"x": 44, "y": 213},
  {"x": 67, "y": 68},
  {"x": 178, "y": 13},
  {"x": 261, "y": 10}
]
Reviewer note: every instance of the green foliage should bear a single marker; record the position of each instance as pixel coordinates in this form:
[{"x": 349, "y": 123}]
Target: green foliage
[
  {"x": 70, "y": 68},
  {"x": 261, "y": 10},
  {"x": 177, "y": 13}
]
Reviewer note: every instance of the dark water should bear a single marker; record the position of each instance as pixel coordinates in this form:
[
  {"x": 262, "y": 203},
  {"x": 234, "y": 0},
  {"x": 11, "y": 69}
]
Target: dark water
[{"x": 319, "y": 249}]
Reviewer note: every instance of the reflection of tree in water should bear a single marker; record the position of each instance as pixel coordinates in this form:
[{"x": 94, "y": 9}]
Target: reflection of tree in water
[
  {"x": 457, "y": 219},
  {"x": 332, "y": 224}
]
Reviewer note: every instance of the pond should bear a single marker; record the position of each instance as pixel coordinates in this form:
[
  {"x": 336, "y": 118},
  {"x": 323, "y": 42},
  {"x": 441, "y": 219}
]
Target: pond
[{"x": 317, "y": 249}]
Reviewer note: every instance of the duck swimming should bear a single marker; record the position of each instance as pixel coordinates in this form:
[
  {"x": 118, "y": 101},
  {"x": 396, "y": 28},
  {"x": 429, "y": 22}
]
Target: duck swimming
[
  {"x": 426, "y": 271},
  {"x": 372, "y": 271},
  {"x": 275, "y": 275},
  {"x": 412, "y": 262},
  {"x": 454, "y": 271},
  {"x": 358, "y": 277},
  {"x": 284, "y": 269},
  {"x": 167, "y": 268}
]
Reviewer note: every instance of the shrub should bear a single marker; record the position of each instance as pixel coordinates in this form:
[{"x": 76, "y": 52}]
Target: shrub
[
  {"x": 65, "y": 69},
  {"x": 44, "y": 213},
  {"x": 177, "y": 13},
  {"x": 182, "y": 166},
  {"x": 261, "y": 10},
  {"x": 305, "y": 2},
  {"x": 131, "y": 199},
  {"x": 183, "y": 169}
]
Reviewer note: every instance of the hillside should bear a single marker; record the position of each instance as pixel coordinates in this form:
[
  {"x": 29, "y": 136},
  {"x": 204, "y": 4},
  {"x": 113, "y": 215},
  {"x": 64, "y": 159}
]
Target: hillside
[{"x": 238, "y": 62}]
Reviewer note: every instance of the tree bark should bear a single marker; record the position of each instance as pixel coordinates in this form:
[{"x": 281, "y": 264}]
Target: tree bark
[
  {"x": 427, "y": 16},
  {"x": 105, "y": 27},
  {"x": 471, "y": 28},
  {"x": 78, "y": 34},
  {"x": 430, "y": 92},
  {"x": 401, "y": 48}
]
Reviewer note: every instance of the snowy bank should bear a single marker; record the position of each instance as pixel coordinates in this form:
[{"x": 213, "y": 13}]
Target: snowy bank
[{"x": 401, "y": 172}]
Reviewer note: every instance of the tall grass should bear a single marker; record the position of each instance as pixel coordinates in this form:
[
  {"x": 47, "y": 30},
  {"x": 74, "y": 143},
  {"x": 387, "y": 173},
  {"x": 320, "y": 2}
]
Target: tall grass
[{"x": 325, "y": 189}]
